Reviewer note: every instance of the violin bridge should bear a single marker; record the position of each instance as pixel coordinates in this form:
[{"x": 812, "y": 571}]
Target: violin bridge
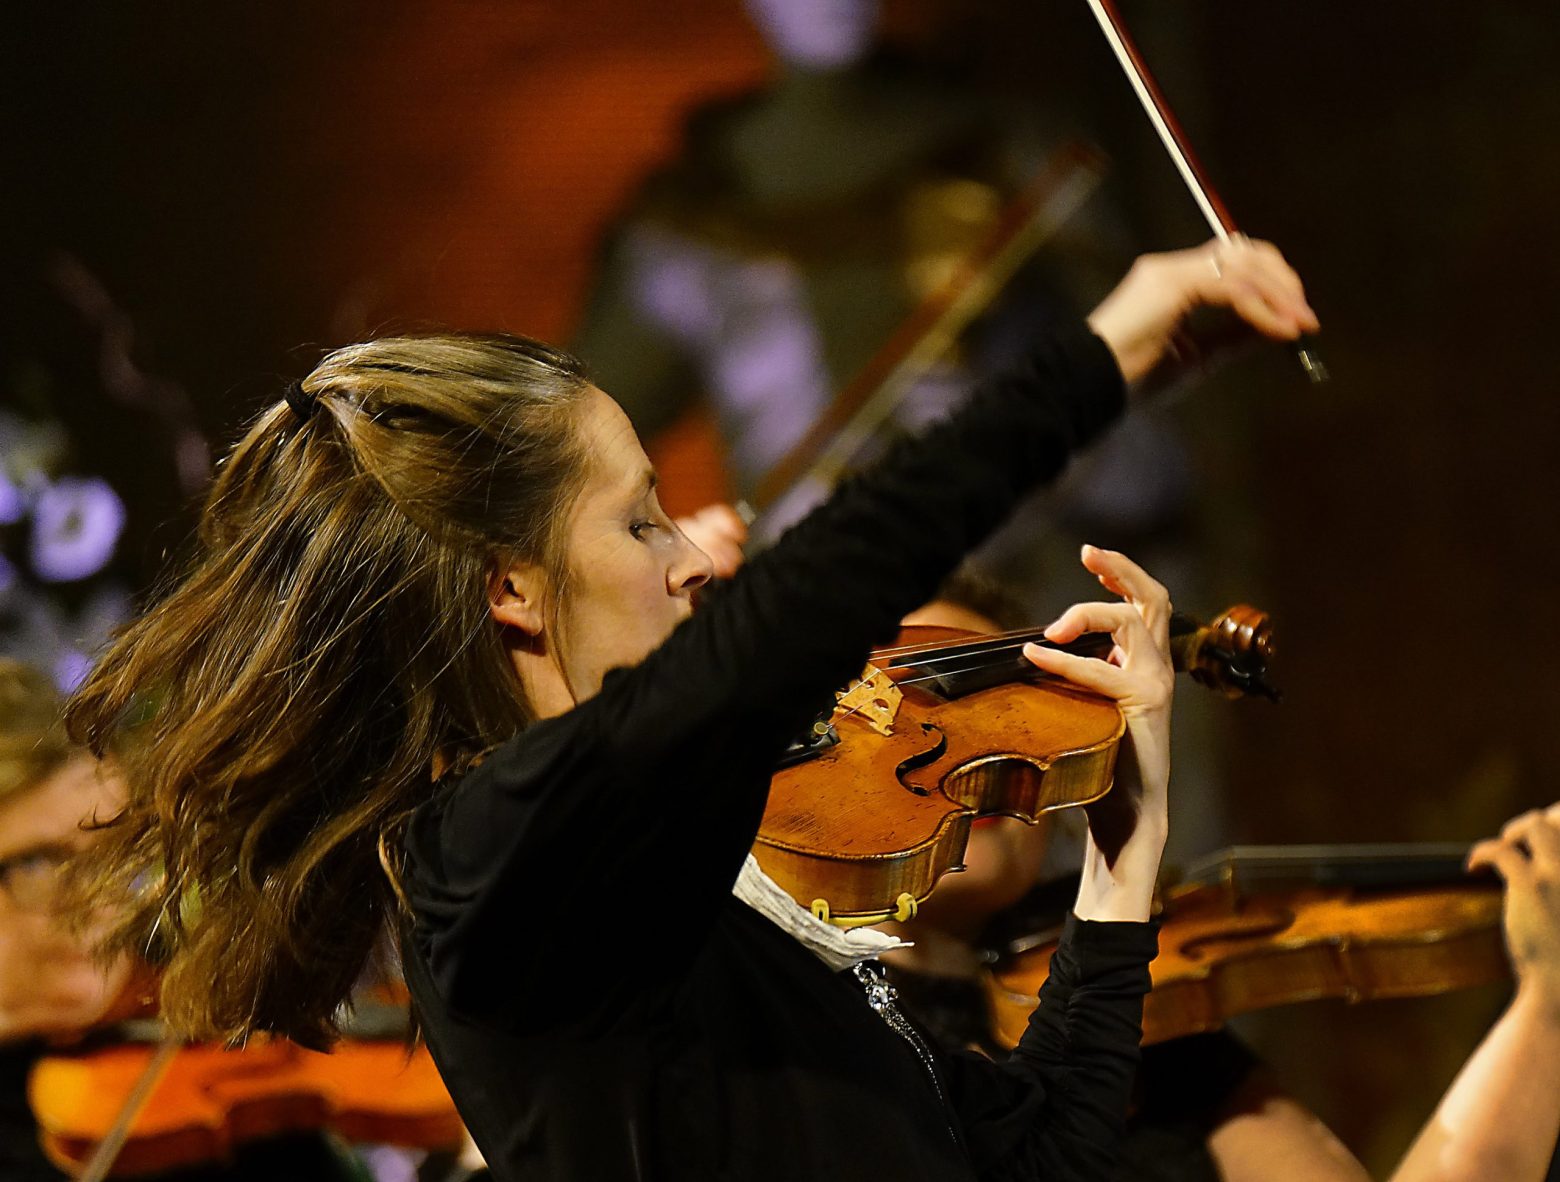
[{"x": 873, "y": 697}]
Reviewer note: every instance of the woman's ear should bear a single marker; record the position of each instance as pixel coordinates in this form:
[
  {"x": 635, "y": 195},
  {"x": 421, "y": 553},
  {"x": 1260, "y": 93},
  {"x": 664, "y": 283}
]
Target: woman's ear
[{"x": 515, "y": 595}]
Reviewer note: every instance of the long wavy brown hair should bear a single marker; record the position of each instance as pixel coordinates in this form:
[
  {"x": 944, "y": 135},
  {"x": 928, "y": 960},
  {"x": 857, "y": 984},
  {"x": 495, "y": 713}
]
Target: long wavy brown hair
[{"x": 280, "y": 709}]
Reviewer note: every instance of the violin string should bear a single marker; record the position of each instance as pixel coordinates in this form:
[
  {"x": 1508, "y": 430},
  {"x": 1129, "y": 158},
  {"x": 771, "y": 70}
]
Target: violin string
[
  {"x": 973, "y": 668},
  {"x": 1081, "y": 647},
  {"x": 936, "y": 676},
  {"x": 1178, "y": 623},
  {"x": 1038, "y": 672},
  {"x": 934, "y": 645},
  {"x": 944, "y": 656}
]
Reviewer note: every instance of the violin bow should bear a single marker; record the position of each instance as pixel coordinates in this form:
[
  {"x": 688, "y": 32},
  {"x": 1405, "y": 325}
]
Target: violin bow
[
  {"x": 1174, "y": 140},
  {"x": 101, "y": 1163}
]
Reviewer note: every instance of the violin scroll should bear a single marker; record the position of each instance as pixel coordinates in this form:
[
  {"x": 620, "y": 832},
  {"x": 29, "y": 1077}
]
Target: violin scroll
[{"x": 1229, "y": 655}]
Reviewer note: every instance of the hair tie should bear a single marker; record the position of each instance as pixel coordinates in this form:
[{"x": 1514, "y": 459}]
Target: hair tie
[{"x": 299, "y": 400}]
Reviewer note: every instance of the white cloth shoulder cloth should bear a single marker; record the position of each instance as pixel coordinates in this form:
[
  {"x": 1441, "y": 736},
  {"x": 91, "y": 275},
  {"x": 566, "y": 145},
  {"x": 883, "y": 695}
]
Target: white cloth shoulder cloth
[{"x": 839, "y": 948}]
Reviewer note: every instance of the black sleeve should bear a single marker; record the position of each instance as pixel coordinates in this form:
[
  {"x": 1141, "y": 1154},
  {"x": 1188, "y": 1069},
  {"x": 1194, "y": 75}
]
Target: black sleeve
[
  {"x": 646, "y": 798},
  {"x": 1056, "y": 1109}
]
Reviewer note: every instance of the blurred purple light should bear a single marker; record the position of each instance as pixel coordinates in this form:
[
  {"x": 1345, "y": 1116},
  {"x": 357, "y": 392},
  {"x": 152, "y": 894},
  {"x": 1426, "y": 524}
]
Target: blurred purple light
[
  {"x": 816, "y": 34},
  {"x": 76, "y": 525},
  {"x": 70, "y": 670},
  {"x": 13, "y": 504},
  {"x": 747, "y": 323}
]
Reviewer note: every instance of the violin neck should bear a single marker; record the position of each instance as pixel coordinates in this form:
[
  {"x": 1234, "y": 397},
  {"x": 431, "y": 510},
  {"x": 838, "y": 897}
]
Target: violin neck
[
  {"x": 1252, "y": 869},
  {"x": 966, "y": 667}
]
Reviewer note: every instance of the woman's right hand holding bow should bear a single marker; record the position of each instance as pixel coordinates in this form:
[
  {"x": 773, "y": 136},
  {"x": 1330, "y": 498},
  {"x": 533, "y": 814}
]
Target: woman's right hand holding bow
[{"x": 1145, "y": 319}]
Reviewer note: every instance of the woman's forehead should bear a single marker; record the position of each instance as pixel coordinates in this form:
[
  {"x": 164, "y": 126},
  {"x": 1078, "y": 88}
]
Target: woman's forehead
[{"x": 618, "y": 460}]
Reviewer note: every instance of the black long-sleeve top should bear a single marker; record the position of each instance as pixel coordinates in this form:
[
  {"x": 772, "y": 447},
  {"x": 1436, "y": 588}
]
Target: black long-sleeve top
[{"x": 602, "y": 1007}]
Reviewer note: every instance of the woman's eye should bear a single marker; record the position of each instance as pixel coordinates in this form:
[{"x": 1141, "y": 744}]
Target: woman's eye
[{"x": 639, "y": 528}]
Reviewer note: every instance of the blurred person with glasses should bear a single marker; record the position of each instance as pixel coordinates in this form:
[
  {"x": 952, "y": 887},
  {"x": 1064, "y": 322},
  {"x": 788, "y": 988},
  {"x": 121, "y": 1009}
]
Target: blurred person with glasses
[
  {"x": 50, "y": 986},
  {"x": 52, "y": 991}
]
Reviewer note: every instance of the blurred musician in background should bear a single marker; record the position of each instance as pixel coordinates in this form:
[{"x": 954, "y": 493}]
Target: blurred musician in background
[
  {"x": 50, "y": 989},
  {"x": 49, "y": 986},
  {"x": 53, "y": 993}
]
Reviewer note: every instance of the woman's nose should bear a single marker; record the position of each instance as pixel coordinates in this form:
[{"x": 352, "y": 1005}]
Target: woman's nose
[{"x": 692, "y": 570}]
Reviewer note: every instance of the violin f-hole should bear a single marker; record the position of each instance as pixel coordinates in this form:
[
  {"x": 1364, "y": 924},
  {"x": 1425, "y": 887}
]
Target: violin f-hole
[{"x": 920, "y": 759}]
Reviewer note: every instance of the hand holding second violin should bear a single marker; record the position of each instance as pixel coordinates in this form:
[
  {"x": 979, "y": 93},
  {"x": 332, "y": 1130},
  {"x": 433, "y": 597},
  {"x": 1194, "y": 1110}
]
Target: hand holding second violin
[
  {"x": 1527, "y": 856},
  {"x": 1499, "y": 1118},
  {"x": 1128, "y": 826},
  {"x": 1144, "y": 319}
]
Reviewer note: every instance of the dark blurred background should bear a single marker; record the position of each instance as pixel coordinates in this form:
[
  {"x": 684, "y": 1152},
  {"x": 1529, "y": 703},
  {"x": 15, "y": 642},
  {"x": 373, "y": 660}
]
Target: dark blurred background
[{"x": 203, "y": 197}]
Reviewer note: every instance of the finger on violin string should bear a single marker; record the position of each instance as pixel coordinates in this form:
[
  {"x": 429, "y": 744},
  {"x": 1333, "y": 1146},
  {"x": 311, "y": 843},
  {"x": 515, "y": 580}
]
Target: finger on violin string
[
  {"x": 1121, "y": 620},
  {"x": 1136, "y": 629},
  {"x": 1503, "y": 858},
  {"x": 1089, "y": 672}
]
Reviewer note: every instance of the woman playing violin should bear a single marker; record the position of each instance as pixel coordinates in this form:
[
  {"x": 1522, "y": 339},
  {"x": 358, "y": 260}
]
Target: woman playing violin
[{"x": 436, "y": 663}]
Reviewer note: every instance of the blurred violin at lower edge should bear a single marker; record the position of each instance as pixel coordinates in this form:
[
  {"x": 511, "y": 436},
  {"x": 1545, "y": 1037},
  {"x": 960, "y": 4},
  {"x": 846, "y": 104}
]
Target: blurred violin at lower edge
[{"x": 146, "y": 1104}]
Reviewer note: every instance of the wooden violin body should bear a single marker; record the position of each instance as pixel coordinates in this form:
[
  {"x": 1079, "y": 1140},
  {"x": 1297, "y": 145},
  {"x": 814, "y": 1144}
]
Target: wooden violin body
[
  {"x": 1229, "y": 948},
  {"x": 160, "y": 1106},
  {"x": 947, "y": 726}
]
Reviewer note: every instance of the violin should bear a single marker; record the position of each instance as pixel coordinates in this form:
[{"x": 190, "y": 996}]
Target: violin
[
  {"x": 1264, "y": 926},
  {"x": 147, "y": 1103},
  {"x": 875, "y": 805}
]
